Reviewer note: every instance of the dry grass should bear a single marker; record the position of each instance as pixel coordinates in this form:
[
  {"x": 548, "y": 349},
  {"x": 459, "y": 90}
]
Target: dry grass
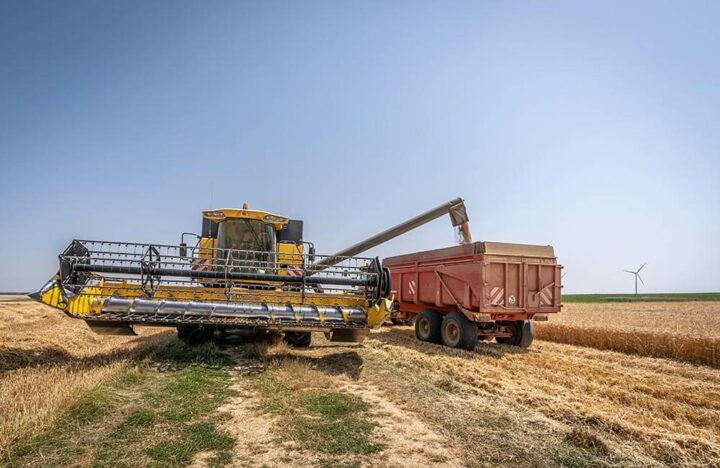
[
  {"x": 48, "y": 360},
  {"x": 687, "y": 331},
  {"x": 553, "y": 404}
]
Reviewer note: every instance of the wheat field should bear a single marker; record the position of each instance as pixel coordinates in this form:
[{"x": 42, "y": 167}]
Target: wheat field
[
  {"x": 47, "y": 360},
  {"x": 687, "y": 331},
  {"x": 533, "y": 408},
  {"x": 555, "y": 404}
]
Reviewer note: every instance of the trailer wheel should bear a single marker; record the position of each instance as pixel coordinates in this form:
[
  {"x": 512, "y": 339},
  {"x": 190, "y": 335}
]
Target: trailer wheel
[
  {"x": 298, "y": 339},
  {"x": 427, "y": 326},
  {"x": 459, "y": 332},
  {"x": 194, "y": 335},
  {"x": 523, "y": 334}
]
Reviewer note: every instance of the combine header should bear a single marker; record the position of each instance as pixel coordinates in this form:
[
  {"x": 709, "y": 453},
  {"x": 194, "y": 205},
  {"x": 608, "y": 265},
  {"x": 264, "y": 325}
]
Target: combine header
[{"x": 113, "y": 285}]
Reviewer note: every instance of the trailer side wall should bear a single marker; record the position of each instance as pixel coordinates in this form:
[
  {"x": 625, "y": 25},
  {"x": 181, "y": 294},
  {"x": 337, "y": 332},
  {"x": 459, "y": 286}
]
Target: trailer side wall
[{"x": 486, "y": 281}]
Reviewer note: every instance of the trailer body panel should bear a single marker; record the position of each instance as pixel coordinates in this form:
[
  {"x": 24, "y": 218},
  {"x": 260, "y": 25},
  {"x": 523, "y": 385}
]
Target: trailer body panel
[{"x": 486, "y": 281}]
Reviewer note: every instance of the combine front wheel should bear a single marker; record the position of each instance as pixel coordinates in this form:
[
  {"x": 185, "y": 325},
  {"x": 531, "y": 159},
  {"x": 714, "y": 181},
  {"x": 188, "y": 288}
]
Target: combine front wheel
[
  {"x": 194, "y": 335},
  {"x": 298, "y": 339}
]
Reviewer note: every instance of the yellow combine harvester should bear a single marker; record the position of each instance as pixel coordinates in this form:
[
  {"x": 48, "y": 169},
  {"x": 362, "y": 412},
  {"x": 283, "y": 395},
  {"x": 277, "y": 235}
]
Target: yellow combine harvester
[{"x": 250, "y": 270}]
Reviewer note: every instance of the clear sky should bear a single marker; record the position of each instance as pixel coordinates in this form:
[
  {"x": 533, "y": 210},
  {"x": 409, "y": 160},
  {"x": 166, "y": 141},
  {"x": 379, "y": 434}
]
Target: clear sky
[{"x": 591, "y": 126}]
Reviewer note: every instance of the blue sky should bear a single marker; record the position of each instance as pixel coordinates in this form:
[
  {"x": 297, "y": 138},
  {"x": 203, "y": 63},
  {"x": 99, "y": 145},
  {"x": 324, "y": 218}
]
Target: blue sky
[{"x": 591, "y": 126}]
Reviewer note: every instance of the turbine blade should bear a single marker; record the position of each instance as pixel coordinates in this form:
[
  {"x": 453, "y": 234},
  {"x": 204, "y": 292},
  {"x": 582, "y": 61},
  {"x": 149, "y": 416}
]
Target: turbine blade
[
  {"x": 628, "y": 271},
  {"x": 643, "y": 266},
  {"x": 640, "y": 278}
]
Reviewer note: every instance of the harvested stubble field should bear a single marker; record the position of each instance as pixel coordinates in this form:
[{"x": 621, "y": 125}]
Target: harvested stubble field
[
  {"x": 48, "y": 360},
  {"x": 394, "y": 401},
  {"x": 687, "y": 331},
  {"x": 661, "y": 297}
]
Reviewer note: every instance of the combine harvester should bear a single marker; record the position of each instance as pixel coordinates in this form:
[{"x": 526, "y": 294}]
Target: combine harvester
[{"x": 250, "y": 270}]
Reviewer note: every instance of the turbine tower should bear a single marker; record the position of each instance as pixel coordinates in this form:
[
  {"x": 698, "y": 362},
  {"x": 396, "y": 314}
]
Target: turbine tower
[{"x": 637, "y": 275}]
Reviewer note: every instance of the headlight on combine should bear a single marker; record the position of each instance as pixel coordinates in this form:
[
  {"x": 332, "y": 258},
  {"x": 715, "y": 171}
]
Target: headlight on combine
[{"x": 274, "y": 219}]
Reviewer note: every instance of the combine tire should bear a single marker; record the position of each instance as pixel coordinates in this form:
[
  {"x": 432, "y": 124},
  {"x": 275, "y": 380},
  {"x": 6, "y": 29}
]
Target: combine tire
[
  {"x": 459, "y": 332},
  {"x": 194, "y": 335},
  {"x": 427, "y": 326},
  {"x": 523, "y": 334},
  {"x": 298, "y": 339},
  {"x": 273, "y": 337}
]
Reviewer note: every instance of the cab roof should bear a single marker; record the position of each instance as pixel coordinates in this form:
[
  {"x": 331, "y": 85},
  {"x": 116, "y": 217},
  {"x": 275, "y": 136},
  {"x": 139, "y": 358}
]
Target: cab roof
[{"x": 221, "y": 214}]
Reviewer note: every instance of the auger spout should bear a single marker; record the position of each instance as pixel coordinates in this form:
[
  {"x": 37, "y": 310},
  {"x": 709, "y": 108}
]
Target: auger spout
[{"x": 458, "y": 216}]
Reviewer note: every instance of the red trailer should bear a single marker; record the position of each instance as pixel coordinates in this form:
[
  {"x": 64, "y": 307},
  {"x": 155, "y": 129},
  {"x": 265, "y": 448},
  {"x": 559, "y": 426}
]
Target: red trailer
[{"x": 482, "y": 290}]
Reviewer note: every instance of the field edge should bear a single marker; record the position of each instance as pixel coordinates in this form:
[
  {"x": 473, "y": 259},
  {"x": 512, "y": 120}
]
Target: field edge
[{"x": 658, "y": 297}]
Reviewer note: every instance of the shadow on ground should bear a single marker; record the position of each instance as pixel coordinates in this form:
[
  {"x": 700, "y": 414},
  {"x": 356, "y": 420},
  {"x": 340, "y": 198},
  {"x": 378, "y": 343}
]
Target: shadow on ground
[
  {"x": 406, "y": 337},
  {"x": 348, "y": 363},
  {"x": 18, "y": 358}
]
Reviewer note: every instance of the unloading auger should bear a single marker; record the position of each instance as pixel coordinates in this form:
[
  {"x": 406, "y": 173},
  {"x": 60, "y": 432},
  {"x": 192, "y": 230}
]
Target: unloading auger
[{"x": 248, "y": 270}]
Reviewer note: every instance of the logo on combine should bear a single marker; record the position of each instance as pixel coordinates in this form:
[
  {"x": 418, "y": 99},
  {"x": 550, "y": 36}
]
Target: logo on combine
[{"x": 199, "y": 264}]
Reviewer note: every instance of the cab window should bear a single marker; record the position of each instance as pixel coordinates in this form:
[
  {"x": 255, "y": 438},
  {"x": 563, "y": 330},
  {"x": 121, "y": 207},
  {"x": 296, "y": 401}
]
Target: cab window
[{"x": 246, "y": 234}]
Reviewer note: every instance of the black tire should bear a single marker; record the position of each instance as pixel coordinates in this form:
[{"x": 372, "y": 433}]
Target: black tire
[
  {"x": 194, "y": 335},
  {"x": 523, "y": 334},
  {"x": 273, "y": 337},
  {"x": 427, "y": 326},
  {"x": 298, "y": 339},
  {"x": 459, "y": 332}
]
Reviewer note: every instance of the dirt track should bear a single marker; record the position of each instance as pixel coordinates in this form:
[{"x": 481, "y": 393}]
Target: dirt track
[{"x": 408, "y": 440}]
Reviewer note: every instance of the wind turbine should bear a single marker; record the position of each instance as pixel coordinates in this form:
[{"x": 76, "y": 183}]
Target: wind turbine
[{"x": 637, "y": 275}]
